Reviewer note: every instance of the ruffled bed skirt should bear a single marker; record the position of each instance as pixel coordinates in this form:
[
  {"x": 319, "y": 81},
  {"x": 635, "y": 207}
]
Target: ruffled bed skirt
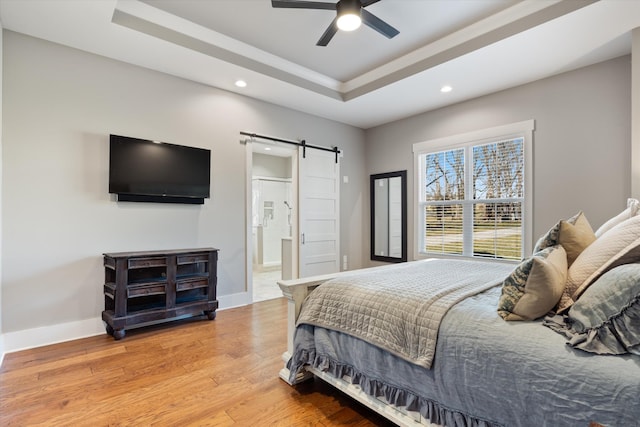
[{"x": 430, "y": 410}]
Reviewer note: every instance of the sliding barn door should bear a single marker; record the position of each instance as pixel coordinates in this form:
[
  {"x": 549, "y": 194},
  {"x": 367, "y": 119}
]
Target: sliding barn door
[{"x": 319, "y": 200}]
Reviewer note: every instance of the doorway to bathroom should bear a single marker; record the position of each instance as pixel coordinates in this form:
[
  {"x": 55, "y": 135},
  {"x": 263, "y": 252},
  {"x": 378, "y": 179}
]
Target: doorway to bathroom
[{"x": 273, "y": 217}]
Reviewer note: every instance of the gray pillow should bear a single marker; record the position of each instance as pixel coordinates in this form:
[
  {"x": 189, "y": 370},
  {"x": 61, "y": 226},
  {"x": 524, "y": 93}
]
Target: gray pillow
[{"x": 606, "y": 317}]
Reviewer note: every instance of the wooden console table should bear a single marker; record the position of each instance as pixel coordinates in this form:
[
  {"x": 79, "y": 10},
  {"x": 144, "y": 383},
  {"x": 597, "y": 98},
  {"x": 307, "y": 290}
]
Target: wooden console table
[{"x": 143, "y": 287}]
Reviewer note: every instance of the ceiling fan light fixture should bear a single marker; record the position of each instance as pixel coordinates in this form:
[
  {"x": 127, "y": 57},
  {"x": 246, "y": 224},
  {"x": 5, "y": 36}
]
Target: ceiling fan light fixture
[
  {"x": 348, "y": 15},
  {"x": 349, "y": 22}
]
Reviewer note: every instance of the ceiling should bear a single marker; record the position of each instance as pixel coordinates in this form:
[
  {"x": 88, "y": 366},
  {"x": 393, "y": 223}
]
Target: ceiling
[{"x": 361, "y": 78}]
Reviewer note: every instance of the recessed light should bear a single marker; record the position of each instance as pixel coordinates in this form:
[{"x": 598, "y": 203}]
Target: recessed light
[
  {"x": 267, "y": 148},
  {"x": 445, "y": 89},
  {"x": 241, "y": 83}
]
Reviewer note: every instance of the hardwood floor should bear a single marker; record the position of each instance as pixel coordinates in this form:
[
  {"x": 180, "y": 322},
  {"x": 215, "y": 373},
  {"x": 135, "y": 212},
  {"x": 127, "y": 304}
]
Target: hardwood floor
[{"x": 193, "y": 372}]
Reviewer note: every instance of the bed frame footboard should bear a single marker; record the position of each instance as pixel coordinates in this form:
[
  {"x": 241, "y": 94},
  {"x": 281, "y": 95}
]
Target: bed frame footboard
[{"x": 296, "y": 291}]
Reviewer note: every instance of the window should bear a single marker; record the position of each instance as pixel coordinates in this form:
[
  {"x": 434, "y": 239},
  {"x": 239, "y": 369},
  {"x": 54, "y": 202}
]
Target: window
[{"x": 473, "y": 195}]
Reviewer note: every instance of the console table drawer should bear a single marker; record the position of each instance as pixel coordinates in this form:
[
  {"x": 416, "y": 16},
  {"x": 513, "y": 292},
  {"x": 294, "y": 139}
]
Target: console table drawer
[
  {"x": 190, "y": 259},
  {"x": 148, "y": 262},
  {"x": 144, "y": 289},
  {"x": 193, "y": 283}
]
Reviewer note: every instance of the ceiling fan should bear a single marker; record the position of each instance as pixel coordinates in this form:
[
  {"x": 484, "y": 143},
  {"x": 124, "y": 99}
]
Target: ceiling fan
[{"x": 350, "y": 13}]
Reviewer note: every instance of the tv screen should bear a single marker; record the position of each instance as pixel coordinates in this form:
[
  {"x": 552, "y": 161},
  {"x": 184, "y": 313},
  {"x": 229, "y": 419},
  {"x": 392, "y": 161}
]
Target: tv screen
[{"x": 148, "y": 171}]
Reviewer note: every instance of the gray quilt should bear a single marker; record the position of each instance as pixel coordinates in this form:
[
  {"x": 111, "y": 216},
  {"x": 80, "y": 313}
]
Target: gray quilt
[{"x": 400, "y": 309}]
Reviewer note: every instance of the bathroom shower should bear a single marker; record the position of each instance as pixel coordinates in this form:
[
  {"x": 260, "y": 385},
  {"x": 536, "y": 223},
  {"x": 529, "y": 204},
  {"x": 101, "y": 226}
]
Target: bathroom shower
[{"x": 288, "y": 216}]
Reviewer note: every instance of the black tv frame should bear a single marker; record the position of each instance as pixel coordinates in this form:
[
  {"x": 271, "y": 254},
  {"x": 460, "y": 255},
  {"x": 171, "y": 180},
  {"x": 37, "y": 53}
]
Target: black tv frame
[{"x": 155, "y": 198}]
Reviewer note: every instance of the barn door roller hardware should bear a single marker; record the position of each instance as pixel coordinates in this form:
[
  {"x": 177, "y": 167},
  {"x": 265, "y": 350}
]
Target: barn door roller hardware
[{"x": 302, "y": 144}]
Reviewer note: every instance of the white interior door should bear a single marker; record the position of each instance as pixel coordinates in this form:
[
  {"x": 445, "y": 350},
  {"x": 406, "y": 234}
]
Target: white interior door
[{"x": 319, "y": 201}]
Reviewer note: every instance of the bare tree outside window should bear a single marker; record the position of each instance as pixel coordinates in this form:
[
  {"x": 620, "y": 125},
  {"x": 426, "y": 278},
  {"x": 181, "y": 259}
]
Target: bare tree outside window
[{"x": 493, "y": 199}]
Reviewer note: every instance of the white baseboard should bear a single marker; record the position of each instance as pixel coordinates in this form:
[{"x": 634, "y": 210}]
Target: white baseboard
[
  {"x": 45, "y": 335},
  {"x": 53, "y": 334},
  {"x": 234, "y": 300}
]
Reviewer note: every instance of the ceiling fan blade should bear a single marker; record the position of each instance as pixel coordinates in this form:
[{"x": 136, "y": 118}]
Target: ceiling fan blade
[
  {"x": 365, "y": 3},
  {"x": 378, "y": 24},
  {"x": 295, "y": 4},
  {"x": 331, "y": 31}
]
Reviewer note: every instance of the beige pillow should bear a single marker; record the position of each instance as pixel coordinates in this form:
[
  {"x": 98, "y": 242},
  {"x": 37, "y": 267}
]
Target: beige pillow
[
  {"x": 575, "y": 237},
  {"x": 620, "y": 245},
  {"x": 535, "y": 286},
  {"x": 550, "y": 238},
  {"x": 633, "y": 206}
]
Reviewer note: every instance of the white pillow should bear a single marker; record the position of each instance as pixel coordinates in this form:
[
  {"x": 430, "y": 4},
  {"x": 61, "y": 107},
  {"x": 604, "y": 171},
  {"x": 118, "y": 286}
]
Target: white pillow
[
  {"x": 633, "y": 206},
  {"x": 620, "y": 245}
]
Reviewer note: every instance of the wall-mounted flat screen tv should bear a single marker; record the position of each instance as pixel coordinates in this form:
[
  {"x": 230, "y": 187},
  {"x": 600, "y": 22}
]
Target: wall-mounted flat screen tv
[{"x": 142, "y": 170}]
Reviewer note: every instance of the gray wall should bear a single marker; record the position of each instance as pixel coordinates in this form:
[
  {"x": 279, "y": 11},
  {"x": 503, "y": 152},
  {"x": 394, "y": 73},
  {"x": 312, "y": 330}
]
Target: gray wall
[
  {"x": 582, "y": 148},
  {"x": 59, "y": 107}
]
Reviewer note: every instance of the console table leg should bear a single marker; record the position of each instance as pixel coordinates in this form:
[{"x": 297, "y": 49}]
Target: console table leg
[
  {"x": 118, "y": 334},
  {"x": 210, "y": 314}
]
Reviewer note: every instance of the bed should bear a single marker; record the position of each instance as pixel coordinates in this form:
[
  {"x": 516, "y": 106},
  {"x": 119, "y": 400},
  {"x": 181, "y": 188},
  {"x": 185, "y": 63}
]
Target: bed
[{"x": 579, "y": 367}]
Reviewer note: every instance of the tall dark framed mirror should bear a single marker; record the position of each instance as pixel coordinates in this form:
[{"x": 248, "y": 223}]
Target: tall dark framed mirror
[{"x": 389, "y": 216}]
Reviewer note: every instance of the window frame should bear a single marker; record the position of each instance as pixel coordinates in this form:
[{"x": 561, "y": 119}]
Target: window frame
[{"x": 523, "y": 129}]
